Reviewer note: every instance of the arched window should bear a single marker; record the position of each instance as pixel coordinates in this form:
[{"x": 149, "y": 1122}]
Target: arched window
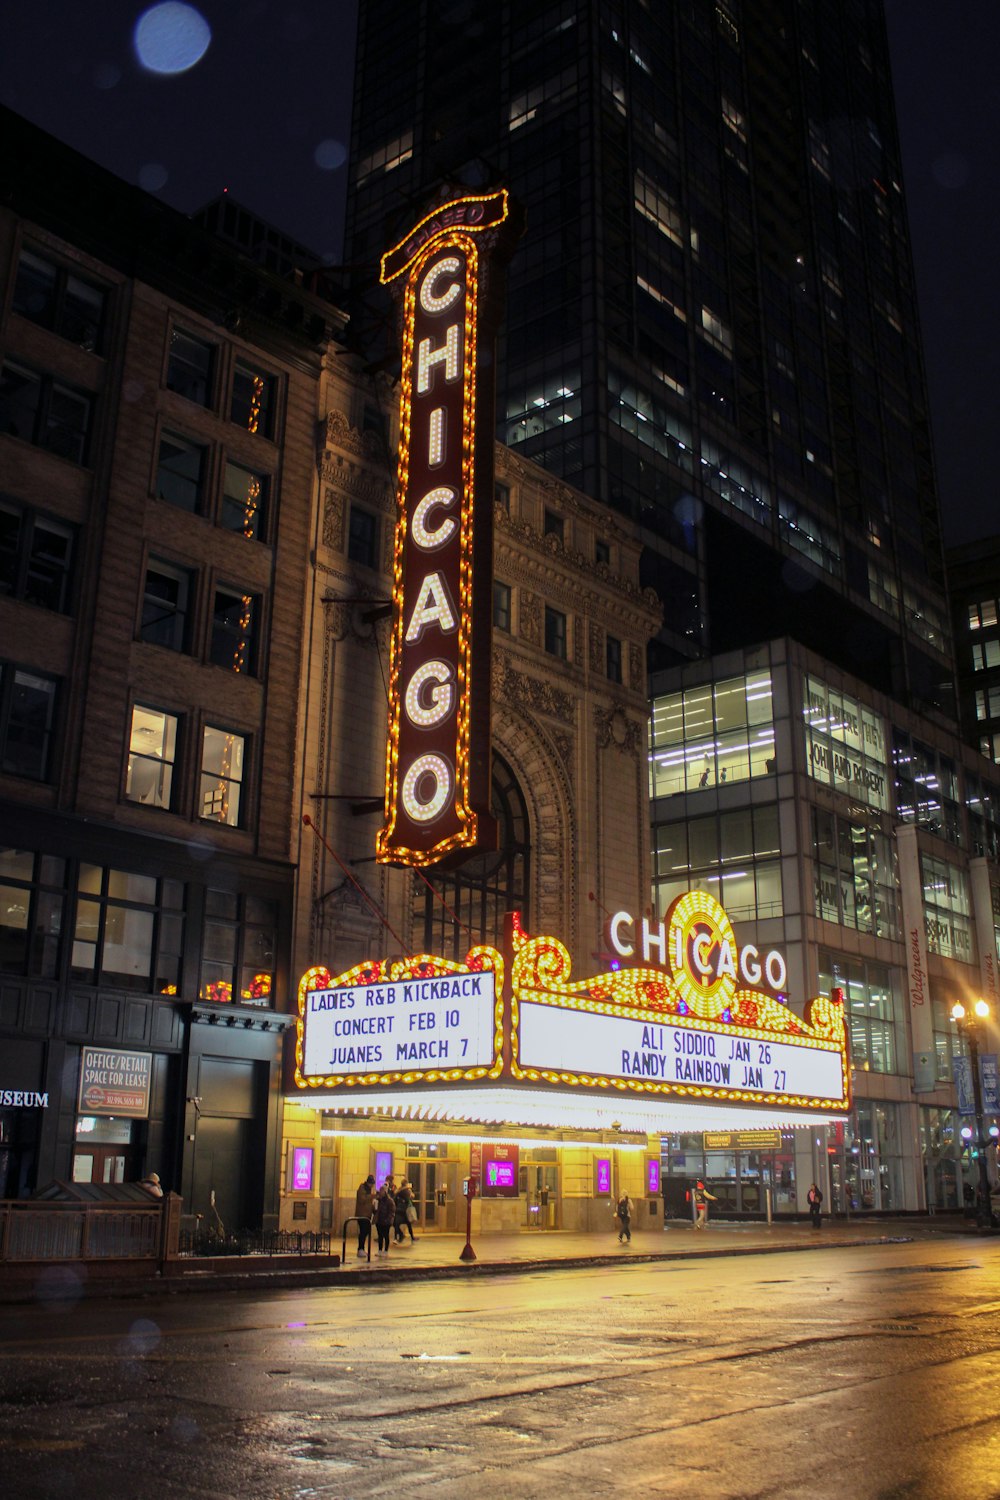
[{"x": 483, "y": 887}]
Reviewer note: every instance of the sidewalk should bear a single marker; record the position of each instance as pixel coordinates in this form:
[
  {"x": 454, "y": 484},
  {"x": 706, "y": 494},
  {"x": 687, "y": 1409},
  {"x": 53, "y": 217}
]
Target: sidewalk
[
  {"x": 534, "y": 1250},
  {"x": 439, "y": 1255}
]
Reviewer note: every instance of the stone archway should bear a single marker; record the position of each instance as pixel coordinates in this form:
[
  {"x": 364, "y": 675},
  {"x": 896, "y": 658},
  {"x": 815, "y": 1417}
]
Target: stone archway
[
  {"x": 534, "y": 868},
  {"x": 539, "y": 761}
]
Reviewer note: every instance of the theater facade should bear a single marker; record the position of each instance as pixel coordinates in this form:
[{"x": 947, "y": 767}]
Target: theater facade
[
  {"x": 485, "y": 991},
  {"x": 555, "y": 1092}
]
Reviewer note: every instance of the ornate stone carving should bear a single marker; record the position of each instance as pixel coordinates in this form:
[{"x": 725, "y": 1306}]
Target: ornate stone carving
[
  {"x": 615, "y": 728},
  {"x": 340, "y": 434},
  {"x": 596, "y": 648},
  {"x": 334, "y": 511},
  {"x": 338, "y": 619},
  {"x": 529, "y": 618},
  {"x": 636, "y": 668},
  {"x": 347, "y": 922},
  {"x": 513, "y": 686},
  {"x": 565, "y": 748}
]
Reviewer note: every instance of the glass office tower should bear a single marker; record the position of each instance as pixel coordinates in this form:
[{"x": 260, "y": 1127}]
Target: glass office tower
[{"x": 712, "y": 323}]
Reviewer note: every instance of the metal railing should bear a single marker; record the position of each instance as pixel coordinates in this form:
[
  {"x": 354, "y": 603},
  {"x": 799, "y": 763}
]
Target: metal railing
[
  {"x": 31, "y": 1231},
  {"x": 212, "y": 1242}
]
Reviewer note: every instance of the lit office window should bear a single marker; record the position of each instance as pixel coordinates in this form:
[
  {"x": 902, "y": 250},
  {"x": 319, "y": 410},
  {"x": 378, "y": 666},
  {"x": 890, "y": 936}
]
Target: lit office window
[
  {"x": 152, "y": 750},
  {"x": 222, "y": 770}
]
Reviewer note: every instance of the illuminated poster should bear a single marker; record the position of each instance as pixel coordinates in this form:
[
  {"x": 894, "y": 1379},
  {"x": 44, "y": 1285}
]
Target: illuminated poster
[
  {"x": 437, "y": 798},
  {"x": 403, "y": 1019},
  {"x": 302, "y": 1169},
  {"x": 500, "y": 1170}
]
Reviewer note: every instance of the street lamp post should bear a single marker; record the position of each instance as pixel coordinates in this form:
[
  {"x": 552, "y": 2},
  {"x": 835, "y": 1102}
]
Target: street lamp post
[{"x": 968, "y": 1027}]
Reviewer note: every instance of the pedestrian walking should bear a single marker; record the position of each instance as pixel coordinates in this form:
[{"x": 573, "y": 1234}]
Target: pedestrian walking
[
  {"x": 364, "y": 1208},
  {"x": 151, "y": 1182},
  {"x": 406, "y": 1212},
  {"x": 385, "y": 1217},
  {"x": 815, "y": 1200},
  {"x": 623, "y": 1218},
  {"x": 702, "y": 1198}
]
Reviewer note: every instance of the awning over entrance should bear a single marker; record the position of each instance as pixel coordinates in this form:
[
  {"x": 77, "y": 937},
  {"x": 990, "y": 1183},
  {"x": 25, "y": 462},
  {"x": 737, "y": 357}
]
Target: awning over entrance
[{"x": 542, "y": 1109}]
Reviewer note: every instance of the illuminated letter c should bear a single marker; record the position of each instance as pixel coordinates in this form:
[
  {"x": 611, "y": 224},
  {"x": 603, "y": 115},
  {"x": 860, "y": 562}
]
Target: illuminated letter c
[{"x": 430, "y": 538}]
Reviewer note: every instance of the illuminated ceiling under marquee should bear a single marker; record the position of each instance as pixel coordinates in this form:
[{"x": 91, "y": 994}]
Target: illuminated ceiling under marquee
[{"x": 513, "y": 1038}]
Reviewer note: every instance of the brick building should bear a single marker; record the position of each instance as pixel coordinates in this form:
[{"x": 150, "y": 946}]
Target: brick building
[{"x": 157, "y": 473}]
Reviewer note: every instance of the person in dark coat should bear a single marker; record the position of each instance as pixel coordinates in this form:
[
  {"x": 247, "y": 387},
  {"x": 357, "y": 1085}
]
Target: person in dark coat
[
  {"x": 815, "y": 1200},
  {"x": 364, "y": 1208},
  {"x": 404, "y": 1203},
  {"x": 385, "y": 1217},
  {"x": 623, "y": 1218}
]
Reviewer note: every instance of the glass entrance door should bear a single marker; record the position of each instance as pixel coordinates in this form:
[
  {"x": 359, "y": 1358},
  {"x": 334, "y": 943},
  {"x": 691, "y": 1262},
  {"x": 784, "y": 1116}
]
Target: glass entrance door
[
  {"x": 99, "y": 1164},
  {"x": 539, "y": 1187},
  {"x": 435, "y": 1191}
]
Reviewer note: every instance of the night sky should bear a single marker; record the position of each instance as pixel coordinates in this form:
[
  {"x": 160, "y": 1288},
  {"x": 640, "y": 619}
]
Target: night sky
[{"x": 265, "y": 113}]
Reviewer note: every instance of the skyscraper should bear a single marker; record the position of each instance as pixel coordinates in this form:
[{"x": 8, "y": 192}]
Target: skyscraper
[{"x": 712, "y": 324}]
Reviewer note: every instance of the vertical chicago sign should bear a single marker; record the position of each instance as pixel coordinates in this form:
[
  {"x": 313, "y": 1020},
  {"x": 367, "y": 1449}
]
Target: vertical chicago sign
[{"x": 447, "y": 271}]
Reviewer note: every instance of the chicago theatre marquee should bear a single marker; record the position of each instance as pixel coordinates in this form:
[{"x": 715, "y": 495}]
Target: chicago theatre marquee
[{"x": 485, "y": 993}]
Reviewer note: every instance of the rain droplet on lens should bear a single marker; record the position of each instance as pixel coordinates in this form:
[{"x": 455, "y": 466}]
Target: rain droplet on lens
[
  {"x": 329, "y": 155},
  {"x": 950, "y": 169},
  {"x": 107, "y": 75},
  {"x": 143, "y": 1336},
  {"x": 171, "y": 37},
  {"x": 153, "y": 176},
  {"x": 688, "y": 510}
]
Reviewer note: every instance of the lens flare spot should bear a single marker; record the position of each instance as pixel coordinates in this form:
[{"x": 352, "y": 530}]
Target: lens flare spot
[{"x": 171, "y": 37}]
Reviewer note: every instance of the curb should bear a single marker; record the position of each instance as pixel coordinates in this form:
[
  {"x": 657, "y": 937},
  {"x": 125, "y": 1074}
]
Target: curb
[{"x": 72, "y": 1290}]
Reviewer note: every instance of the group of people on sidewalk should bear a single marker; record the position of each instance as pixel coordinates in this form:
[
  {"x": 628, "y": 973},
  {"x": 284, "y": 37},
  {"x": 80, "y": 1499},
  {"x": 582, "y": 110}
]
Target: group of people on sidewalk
[{"x": 390, "y": 1209}]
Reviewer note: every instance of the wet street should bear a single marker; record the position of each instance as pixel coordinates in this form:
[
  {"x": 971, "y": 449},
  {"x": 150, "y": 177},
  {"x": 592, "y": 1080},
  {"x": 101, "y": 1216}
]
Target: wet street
[{"x": 863, "y": 1373}]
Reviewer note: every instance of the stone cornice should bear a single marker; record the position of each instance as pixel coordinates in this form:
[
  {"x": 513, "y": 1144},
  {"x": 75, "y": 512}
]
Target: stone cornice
[
  {"x": 543, "y": 561},
  {"x": 510, "y": 465}
]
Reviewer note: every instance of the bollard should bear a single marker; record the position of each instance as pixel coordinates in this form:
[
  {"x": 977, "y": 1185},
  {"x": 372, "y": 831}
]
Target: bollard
[{"x": 768, "y": 1199}]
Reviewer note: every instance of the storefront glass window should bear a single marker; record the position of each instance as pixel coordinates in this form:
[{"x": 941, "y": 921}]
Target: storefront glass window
[
  {"x": 870, "y": 992},
  {"x": 983, "y": 808},
  {"x": 712, "y": 734},
  {"x": 855, "y": 881},
  {"x": 939, "y": 1151},
  {"x": 874, "y": 1160},
  {"x": 740, "y": 1177},
  {"x": 32, "y": 903},
  {"x": 124, "y": 924},
  {"x": 845, "y": 744},
  {"x": 947, "y": 909},
  {"x": 926, "y": 787},
  {"x": 238, "y": 949},
  {"x": 734, "y": 855}
]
